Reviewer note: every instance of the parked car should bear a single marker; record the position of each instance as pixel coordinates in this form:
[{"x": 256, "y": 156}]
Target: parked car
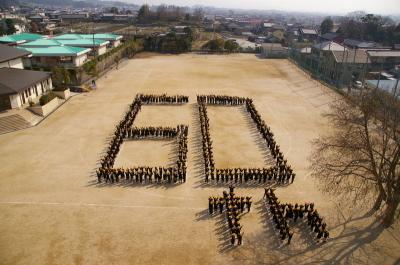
[{"x": 357, "y": 84}]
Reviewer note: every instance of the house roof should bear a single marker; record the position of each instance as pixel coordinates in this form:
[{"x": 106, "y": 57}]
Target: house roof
[
  {"x": 41, "y": 43},
  {"x": 20, "y": 38},
  {"x": 351, "y": 56},
  {"x": 101, "y": 36},
  {"x": 330, "y": 36},
  {"x": 13, "y": 80},
  {"x": 67, "y": 37},
  {"x": 309, "y": 31},
  {"x": 84, "y": 42},
  {"x": 268, "y": 25},
  {"x": 359, "y": 44},
  {"x": 8, "y": 53},
  {"x": 329, "y": 46},
  {"x": 56, "y": 51},
  {"x": 393, "y": 53},
  {"x": 273, "y": 47}
]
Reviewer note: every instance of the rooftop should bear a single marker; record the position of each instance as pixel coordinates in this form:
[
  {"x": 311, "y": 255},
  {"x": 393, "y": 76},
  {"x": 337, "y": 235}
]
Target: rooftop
[
  {"x": 56, "y": 51},
  {"x": 383, "y": 53},
  {"x": 101, "y": 36},
  {"x": 352, "y": 56},
  {"x": 329, "y": 46},
  {"x": 41, "y": 43},
  {"x": 309, "y": 31},
  {"x": 13, "y": 80},
  {"x": 8, "y": 53},
  {"x": 20, "y": 38}
]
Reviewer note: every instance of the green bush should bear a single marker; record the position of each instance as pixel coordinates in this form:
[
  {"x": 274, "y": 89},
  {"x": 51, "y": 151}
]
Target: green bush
[{"x": 46, "y": 98}]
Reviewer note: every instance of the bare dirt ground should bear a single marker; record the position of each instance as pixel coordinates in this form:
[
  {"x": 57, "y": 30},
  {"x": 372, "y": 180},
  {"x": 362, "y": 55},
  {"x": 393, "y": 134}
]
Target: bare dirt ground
[{"x": 53, "y": 212}]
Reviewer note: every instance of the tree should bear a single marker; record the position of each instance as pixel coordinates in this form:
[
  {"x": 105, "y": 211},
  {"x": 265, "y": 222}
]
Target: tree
[
  {"x": 144, "y": 13},
  {"x": 198, "y": 14},
  {"x": 231, "y": 46},
  {"x": 10, "y": 26},
  {"x": 326, "y": 25},
  {"x": 372, "y": 27},
  {"x": 216, "y": 45},
  {"x": 360, "y": 159},
  {"x": 60, "y": 77},
  {"x": 34, "y": 27},
  {"x": 114, "y": 10}
]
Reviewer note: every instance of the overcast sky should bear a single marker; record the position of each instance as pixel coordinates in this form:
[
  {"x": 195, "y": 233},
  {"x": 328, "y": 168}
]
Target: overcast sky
[{"x": 326, "y": 6}]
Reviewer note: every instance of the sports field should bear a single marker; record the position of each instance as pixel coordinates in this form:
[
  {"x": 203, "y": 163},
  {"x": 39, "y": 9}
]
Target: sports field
[{"x": 52, "y": 211}]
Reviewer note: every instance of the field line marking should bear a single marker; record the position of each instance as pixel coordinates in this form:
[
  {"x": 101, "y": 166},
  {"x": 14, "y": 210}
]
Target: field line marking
[{"x": 98, "y": 205}]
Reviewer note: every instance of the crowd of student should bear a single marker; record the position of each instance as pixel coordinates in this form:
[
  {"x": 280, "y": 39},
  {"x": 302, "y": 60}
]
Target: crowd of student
[
  {"x": 162, "y": 99},
  {"x": 144, "y": 174},
  {"x": 281, "y": 172},
  {"x": 233, "y": 206},
  {"x": 283, "y": 213}
]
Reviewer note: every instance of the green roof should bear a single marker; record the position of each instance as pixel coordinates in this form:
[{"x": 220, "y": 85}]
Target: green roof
[
  {"x": 56, "y": 51},
  {"x": 83, "y": 42},
  {"x": 67, "y": 37},
  {"x": 21, "y": 37},
  {"x": 41, "y": 43},
  {"x": 102, "y": 36}
]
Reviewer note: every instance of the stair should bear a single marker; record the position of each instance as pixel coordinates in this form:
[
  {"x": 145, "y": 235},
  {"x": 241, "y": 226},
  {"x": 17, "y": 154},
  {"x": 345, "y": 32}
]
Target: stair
[{"x": 13, "y": 123}]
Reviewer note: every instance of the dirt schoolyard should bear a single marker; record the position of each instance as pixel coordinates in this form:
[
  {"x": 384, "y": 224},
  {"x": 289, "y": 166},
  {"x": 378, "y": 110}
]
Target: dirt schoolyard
[{"x": 54, "y": 212}]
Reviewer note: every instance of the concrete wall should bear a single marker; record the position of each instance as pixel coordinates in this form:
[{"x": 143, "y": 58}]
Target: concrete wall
[
  {"x": 16, "y": 63},
  {"x": 102, "y": 50},
  {"x": 63, "y": 94},
  {"x": 46, "y": 109},
  {"x": 116, "y": 43},
  {"x": 15, "y": 101},
  {"x": 80, "y": 60}
]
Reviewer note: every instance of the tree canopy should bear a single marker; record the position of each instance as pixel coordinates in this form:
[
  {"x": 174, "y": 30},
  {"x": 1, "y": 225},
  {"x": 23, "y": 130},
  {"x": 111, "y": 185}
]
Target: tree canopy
[
  {"x": 371, "y": 28},
  {"x": 326, "y": 25},
  {"x": 360, "y": 159}
]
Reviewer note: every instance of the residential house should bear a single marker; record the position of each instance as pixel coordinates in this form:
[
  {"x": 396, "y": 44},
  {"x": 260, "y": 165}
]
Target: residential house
[
  {"x": 357, "y": 44},
  {"x": 344, "y": 67},
  {"x": 98, "y": 47},
  {"x": 115, "y": 40},
  {"x": 308, "y": 35},
  {"x": 19, "y": 86},
  {"x": 20, "y": 38},
  {"x": 384, "y": 60},
  {"x": 61, "y": 56},
  {"x": 11, "y": 57},
  {"x": 273, "y": 50},
  {"x": 331, "y": 36}
]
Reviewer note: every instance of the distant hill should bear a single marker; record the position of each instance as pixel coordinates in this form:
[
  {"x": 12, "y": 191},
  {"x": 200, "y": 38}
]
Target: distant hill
[
  {"x": 77, "y": 3},
  {"x": 8, "y": 3}
]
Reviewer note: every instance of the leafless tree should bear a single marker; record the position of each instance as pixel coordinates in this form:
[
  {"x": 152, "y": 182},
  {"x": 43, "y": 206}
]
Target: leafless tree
[{"x": 359, "y": 159}]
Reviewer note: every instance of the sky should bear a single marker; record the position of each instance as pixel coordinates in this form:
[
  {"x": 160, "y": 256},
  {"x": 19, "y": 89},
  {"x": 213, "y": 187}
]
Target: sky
[{"x": 383, "y": 7}]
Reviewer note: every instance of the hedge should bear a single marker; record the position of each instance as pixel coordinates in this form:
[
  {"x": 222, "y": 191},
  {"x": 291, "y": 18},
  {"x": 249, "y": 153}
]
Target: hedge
[{"x": 46, "y": 98}]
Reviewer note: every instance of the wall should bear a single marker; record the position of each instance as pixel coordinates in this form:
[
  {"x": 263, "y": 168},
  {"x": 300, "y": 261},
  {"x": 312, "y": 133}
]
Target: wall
[
  {"x": 15, "y": 101},
  {"x": 102, "y": 50},
  {"x": 116, "y": 43},
  {"x": 46, "y": 109},
  {"x": 80, "y": 60},
  {"x": 16, "y": 63}
]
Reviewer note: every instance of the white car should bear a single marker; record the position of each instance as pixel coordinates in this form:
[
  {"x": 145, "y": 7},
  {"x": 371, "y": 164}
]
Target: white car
[{"x": 357, "y": 84}]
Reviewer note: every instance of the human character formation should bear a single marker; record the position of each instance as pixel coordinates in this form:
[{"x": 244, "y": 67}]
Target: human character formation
[
  {"x": 281, "y": 173},
  {"x": 282, "y": 214},
  {"x": 233, "y": 206},
  {"x": 144, "y": 174},
  {"x": 162, "y": 99}
]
